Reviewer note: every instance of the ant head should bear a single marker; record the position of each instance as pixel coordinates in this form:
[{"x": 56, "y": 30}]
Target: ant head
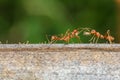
[
  {"x": 93, "y": 31},
  {"x": 75, "y": 30},
  {"x": 54, "y": 37}
]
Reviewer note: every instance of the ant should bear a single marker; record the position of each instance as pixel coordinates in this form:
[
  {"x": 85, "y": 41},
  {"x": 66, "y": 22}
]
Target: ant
[
  {"x": 68, "y": 35},
  {"x": 97, "y": 35}
]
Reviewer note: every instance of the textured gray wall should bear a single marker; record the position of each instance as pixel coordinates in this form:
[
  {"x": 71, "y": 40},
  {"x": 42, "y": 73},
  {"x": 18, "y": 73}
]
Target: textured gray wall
[{"x": 60, "y": 62}]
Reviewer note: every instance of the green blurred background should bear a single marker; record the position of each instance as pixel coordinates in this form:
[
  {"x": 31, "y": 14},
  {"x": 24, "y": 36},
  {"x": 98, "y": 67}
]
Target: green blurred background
[{"x": 32, "y": 20}]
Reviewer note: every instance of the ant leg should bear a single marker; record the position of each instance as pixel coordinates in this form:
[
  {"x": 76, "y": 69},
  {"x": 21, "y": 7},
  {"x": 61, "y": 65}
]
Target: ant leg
[
  {"x": 53, "y": 41},
  {"x": 78, "y": 39},
  {"x": 81, "y": 31},
  {"x": 110, "y": 41},
  {"x": 47, "y": 39},
  {"x": 97, "y": 39},
  {"x": 67, "y": 32},
  {"x": 72, "y": 41},
  {"x": 67, "y": 42},
  {"x": 50, "y": 43},
  {"x": 92, "y": 38}
]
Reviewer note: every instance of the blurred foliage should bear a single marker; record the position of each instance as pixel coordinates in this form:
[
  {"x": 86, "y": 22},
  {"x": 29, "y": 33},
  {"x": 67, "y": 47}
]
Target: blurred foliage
[{"x": 32, "y": 20}]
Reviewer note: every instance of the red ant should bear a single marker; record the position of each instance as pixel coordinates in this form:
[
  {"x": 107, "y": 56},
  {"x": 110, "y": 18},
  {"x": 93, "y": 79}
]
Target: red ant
[
  {"x": 98, "y": 35},
  {"x": 68, "y": 35}
]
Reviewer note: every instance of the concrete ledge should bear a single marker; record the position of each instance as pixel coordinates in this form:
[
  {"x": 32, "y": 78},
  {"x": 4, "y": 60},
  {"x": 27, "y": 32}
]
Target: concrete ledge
[{"x": 59, "y": 62}]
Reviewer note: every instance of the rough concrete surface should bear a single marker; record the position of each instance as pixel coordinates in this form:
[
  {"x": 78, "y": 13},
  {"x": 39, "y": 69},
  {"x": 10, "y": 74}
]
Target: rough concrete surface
[{"x": 59, "y": 62}]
